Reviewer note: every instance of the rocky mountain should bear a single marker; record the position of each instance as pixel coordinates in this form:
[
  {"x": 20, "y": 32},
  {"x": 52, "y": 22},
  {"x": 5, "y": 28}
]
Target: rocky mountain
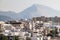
[{"x": 37, "y": 11}]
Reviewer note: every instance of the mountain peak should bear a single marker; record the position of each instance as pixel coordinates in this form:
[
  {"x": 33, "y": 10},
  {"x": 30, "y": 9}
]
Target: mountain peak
[
  {"x": 36, "y": 5},
  {"x": 40, "y": 6},
  {"x": 37, "y": 10}
]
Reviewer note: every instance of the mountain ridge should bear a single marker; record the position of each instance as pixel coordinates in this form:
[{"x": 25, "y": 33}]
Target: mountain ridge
[
  {"x": 35, "y": 10},
  {"x": 5, "y": 18}
]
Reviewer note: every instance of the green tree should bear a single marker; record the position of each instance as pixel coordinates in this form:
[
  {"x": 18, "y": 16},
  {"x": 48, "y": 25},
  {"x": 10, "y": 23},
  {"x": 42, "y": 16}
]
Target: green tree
[
  {"x": 54, "y": 32},
  {"x": 2, "y": 37},
  {"x": 16, "y": 37}
]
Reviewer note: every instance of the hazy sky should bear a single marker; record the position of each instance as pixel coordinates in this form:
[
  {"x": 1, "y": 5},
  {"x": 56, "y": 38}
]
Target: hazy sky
[{"x": 20, "y": 5}]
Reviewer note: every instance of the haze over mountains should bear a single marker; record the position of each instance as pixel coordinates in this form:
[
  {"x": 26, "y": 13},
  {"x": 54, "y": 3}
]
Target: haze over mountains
[
  {"x": 4, "y": 18},
  {"x": 34, "y": 11}
]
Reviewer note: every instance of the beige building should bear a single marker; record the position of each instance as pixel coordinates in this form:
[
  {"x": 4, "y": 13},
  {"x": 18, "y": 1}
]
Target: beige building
[{"x": 1, "y": 22}]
